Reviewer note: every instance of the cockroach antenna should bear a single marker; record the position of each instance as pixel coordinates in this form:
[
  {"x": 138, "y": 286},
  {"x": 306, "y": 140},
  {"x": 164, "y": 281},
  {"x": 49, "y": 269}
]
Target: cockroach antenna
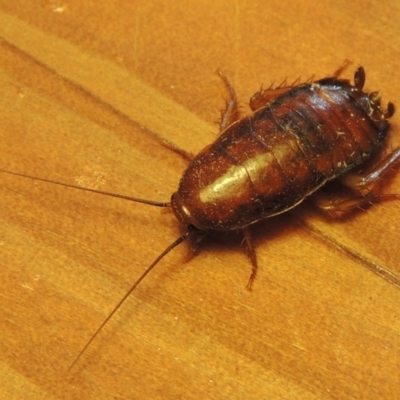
[
  {"x": 178, "y": 241},
  {"x": 129, "y": 292},
  {"x": 105, "y": 193}
]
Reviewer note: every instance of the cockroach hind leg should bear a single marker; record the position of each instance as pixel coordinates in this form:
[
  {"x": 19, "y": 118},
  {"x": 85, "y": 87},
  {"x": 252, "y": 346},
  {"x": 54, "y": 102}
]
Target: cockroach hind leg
[
  {"x": 339, "y": 207},
  {"x": 251, "y": 253},
  {"x": 231, "y": 113},
  {"x": 264, "y": 96},
  {"x": 342, "y": 68},
  {"x": 363, "y": 182}
]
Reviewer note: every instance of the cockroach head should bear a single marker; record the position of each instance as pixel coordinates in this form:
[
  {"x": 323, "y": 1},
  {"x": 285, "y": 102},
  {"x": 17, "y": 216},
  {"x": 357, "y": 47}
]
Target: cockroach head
[{"x": 183, "y": 214}]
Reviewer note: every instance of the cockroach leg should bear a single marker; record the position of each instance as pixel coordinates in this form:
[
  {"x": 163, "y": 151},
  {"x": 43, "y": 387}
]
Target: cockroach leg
[
  {"x": 342, "y": 68},
  {"x": 194, "y": 244},
  {"x": 310, "y": 79},
  {"x": 362, "y": 182},
  {"x": 338, "y": 207},
  {"x": 231, "y": 113},
  {"x": 251, "y": 253},
  {"x": 183, "y": 153},
  {"x": 264, "y": 96}
]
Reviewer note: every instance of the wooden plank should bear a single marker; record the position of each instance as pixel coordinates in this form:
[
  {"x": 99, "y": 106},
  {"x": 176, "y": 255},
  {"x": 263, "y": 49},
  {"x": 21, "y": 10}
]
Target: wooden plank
[{"x": 88, "y": 91}]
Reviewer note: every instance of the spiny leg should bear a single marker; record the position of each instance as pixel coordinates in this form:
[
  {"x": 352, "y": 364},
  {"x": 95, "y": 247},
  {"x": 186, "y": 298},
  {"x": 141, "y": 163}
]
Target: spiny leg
[
  {"x": 265, "y": 96},
  {"x": 231, "y": 113},
  {"x": 343, "y": 67},
  {"x": 361, "y": 184},
  {"x": 251, "y": 253},
  {"x": 194, "y": 244},
  {"x": 183, "y": 153},
  {"x": 337, "y": 207}
]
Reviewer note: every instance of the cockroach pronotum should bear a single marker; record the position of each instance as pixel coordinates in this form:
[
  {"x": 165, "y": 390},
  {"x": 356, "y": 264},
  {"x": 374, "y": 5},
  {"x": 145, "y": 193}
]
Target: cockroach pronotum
[{"x": 298, "y": 138}]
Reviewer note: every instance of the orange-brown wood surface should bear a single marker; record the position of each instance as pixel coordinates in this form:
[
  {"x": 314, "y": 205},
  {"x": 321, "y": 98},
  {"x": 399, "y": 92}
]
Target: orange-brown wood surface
[{"x": 87, "y": 90}]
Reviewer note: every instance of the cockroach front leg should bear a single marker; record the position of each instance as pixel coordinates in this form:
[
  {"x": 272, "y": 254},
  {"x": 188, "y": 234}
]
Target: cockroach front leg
[
  {"x": 194, "y": 244},
  {"x": 251, "y": 253}
]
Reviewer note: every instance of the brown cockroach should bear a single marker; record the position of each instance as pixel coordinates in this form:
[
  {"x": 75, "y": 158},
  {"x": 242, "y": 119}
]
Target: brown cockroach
[{"x": 298, "y": 138}]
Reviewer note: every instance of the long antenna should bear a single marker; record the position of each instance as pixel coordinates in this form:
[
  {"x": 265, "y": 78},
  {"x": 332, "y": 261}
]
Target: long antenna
[
  {"x": 148, "y": 269},
  {"x": 128, "y": 293},
  {"x": 120, "y": 196}
]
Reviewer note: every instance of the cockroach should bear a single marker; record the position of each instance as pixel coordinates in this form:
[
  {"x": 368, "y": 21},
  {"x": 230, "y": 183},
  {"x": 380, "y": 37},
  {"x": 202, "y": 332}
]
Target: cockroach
[{"x": 298, "y": 138}]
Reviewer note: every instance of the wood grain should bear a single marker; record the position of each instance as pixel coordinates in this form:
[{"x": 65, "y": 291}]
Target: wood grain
[{"x": 88, "y": 91}]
